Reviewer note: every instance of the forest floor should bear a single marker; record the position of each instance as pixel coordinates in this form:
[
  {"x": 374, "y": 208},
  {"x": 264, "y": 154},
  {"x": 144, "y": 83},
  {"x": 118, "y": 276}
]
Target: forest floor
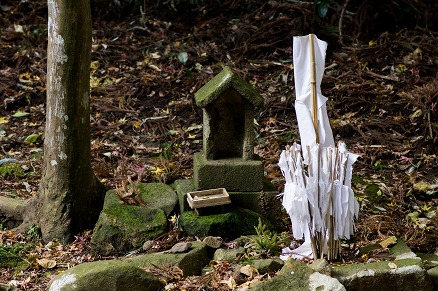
[{"x": 146, "y": 67}]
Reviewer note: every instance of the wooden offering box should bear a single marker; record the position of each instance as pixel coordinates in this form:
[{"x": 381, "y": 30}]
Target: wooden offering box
[{"x": 208, "y": 198}]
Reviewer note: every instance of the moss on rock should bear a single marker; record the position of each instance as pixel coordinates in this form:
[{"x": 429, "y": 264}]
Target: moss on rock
[
  {"x": 158, "y": 195},
  {"x": 105, "y": 275},
  {"x": 228, "y": 225},
  {"x": 293, "y": 276},
  {"x": 123, "y": 227}
]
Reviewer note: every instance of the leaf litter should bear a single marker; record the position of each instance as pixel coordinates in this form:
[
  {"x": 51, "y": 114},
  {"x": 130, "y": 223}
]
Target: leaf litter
[{"x": 382, "y": 93}]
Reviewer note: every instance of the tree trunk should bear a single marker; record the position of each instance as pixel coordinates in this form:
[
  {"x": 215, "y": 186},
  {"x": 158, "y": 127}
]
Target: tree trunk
[{"x": 70, "y": 197}]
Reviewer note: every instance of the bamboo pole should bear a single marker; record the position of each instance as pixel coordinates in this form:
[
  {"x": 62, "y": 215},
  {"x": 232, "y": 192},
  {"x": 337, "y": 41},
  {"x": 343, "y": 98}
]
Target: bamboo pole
[
  {"x": 313, "y": 85},
  {"x": 316, "y": 236}
]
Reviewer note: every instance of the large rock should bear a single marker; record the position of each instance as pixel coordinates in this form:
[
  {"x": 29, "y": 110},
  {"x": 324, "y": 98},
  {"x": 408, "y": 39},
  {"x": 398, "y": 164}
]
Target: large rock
[
  {"x": 298, "y": 276},
  {"x": 230, "y": 225},
  {"x": 124, "y": 227},
  {"x": 403, "y": 274},
  {"x": 105, "y": 275}
]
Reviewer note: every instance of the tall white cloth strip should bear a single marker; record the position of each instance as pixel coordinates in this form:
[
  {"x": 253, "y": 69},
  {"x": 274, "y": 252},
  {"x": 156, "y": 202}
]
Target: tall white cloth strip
[{"x": 303, "y": 91}]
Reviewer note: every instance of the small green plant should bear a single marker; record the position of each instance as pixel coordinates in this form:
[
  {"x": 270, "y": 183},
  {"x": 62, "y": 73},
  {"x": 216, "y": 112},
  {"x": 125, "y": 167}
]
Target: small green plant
[
  {"x": 34, "y": 233},
  {"x": 266, "y": 241},
  {"x": 11, "y": 169}
]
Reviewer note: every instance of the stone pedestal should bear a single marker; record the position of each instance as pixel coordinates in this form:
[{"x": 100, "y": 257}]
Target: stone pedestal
[{"x": 233, "y": 174}]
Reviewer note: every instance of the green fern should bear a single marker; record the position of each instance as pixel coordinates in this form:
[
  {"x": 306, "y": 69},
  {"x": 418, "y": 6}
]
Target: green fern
[{"x": 266, "y": 241}]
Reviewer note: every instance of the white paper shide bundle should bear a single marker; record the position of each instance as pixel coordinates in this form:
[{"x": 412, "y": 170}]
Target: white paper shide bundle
[{"x": 317, "y": 192}]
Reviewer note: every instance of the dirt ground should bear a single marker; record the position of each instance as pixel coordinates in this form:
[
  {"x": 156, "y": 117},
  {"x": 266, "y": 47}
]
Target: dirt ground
[{"x": 147, "y": 63}]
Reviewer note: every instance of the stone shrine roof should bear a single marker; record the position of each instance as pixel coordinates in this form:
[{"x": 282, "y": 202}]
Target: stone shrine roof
[{"x": 223, "y": 81}]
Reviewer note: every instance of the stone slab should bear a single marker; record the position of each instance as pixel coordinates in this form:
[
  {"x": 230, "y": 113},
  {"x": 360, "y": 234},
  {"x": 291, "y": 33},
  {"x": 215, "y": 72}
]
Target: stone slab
[{"x": 233, "y": 174}]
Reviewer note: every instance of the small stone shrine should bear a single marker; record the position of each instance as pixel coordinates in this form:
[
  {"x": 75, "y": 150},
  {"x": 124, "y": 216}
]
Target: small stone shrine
[{"x": 227, "y": 160}]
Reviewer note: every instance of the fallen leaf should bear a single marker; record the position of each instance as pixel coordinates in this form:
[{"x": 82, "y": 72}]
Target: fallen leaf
[
  {"x": 3, "y": 120},
  {"x": 31, "y": 138},
  {"x": 183, "y": 57},
  {"x": 392, "y": 265},
  {"x": 249, "y": 271},
  {"x": 46, "y": 263},
  {"x": 231, "y": 283},
  {"x": 389, "y": 241},
  {"x": 19, "y": 114}
]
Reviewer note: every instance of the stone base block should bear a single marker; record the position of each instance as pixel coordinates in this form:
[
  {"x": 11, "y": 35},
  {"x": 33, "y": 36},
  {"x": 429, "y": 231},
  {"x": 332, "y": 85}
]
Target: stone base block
[
  {"x": 264, "y": 202},
  {"x": 232, "y": 174}
]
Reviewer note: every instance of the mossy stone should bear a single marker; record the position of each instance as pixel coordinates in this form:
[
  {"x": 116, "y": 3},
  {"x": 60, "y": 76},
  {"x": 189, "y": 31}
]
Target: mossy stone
[
  {"x": 408, "y": 274},
  {"x": 105, "y": 275},
  {"x": 190, "y": 263},
  {"x": 228, "y": 225},
  {"x": 123, "y": 227},
  {"x": 293, "y": 276}
]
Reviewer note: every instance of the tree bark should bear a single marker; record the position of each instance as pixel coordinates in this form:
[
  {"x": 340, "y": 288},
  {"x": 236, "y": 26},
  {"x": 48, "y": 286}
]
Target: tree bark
[{"x": 70, "y": 197}]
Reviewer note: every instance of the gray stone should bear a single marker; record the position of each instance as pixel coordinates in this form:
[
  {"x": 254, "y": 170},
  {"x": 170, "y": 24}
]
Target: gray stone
[
  {"x": 180, "y": 247},
  {"x": 191, "y": 263},
  {"x": 429, "y": 260},
  {"x": 402, "y": 251},
  {"x": 214, "y": 242},
  {"x": 124, "y": 227},
  {"x": 322, "y": 282},
  {"x": 11, "y": 211},
  {"x": 158, "y": 195},
  {"x": 244, "y": 240},
  {"x": 147, "y": 245},
  {"x": 263, "y": 202},
  {"x": 321, "y": 266},
  {"x": 268, "y": 265},
  {"x": 105, "y": 275},
  {"x": 182, "y": 187},
  {"x": 228, "y": 255},
  {"x": 403, "y": 274},
  {"x": 433, "y": 275}
]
